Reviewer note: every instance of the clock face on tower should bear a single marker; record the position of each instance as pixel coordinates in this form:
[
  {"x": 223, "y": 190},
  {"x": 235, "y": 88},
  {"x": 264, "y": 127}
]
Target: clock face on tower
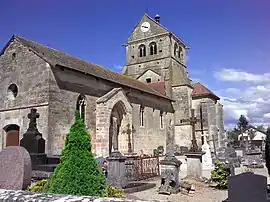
[{"x": 145, "y": 26}]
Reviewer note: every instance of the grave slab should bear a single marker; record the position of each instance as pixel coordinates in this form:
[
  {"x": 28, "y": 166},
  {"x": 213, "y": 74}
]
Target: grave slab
[{"x": 194, "y": 165}]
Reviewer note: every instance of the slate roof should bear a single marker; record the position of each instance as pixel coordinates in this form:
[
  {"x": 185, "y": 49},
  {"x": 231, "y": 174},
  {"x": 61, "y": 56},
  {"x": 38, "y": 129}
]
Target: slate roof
[
  {"x": 158, "y": 86},
  {"x": 199, "y": 91},
  {"x": 55, "y": 57}
]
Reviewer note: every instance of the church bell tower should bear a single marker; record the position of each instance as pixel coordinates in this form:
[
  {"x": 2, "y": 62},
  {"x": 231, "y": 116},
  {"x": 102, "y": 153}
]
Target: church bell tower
[{"x": 156, "y": 55}]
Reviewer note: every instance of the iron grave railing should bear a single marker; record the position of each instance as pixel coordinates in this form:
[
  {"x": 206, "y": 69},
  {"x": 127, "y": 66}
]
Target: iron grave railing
[{"x": 141, "y": 168}]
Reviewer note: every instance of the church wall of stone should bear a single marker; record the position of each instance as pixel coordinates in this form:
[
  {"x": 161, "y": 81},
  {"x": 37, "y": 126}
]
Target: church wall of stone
[
  {"x": 151, "y": 135},
  {"x": 182, "y": 104},
  {"x": 28, "y": 72},
  {"x": 20, "y": 66},
  {"x": 196, "y": 104},
  {"x": 65, "y": 87},
  {"x": 212, "y": 126},
  {"x": 150, "y": 75},
  {"x": 183, "y": 135}
]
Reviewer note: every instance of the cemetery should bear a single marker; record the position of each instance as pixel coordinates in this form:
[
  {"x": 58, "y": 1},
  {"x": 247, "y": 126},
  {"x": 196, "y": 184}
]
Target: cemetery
[
  {"x": 26, "y": 171},
  {"x": 76, "y": 131}
]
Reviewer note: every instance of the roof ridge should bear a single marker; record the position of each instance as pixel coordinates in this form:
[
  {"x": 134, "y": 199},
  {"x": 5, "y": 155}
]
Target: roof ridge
[
  {"x": 57, "y": 57},
  {"x": 69, "y": 55}
]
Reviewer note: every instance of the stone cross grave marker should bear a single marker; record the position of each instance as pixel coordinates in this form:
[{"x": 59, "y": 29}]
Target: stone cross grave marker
[
  {"x": 129, "y": 130},
  {"x": 15, "y": 168},
  {"x": 247, "y": 187},
  {"x": 33, "y": 141},
  {"x": 193, "y": 120}
]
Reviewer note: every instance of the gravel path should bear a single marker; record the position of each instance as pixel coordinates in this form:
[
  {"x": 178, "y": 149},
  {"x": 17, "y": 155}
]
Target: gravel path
[{"x": 203, "y": 193}]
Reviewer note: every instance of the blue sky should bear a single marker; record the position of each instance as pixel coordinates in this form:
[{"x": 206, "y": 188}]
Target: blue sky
[{"x": 229, "y": 40}]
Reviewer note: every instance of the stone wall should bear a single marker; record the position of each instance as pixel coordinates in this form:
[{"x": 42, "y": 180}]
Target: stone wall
[
  {"x": 65, "y": 88},
  {"x": 13, "y": 196},
  {"x": 212, "y": 126},
  {"x": 20, "y": 66},
  {"x": 183, "y": 135},
  {"x": 151, "y": 135},
  {"x": 196, "y": 104}
]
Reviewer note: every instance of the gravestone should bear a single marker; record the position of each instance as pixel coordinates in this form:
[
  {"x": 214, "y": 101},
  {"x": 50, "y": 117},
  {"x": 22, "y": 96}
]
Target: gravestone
[
  {"x": 170, "y": 166},
  {"x": 116, "y": 172},
  {"x": 207, "y": 161},
  {"x": 33, "y": 142},
  {"x": 183, "y": 149},
  {"x": 229, "y": 155},
  {"x": 253, "y": 159},
  {"x": 15, "y": 168},
  {"x": 247, "y": 187}
]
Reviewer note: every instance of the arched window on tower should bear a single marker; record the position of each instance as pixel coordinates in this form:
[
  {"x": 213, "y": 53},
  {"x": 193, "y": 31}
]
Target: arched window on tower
[
  {"x": 142, "y": 51},
  {"x": 80, "y": 106},
  {"x": 175, "y": 49},
  {"x": 180, "y": 53},
  {"x": 153, "y": 48}
]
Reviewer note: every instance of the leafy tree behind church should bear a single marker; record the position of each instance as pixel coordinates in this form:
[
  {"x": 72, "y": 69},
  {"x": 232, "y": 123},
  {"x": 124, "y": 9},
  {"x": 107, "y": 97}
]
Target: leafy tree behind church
[
  {"x": 78, "y": 172},
  {"x": 242, "y": 124},
  {"x": 241, "y": 127}
]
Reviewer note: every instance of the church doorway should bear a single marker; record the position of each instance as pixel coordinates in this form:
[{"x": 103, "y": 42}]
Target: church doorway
[
  {"x": 113, "y": 124},
  {"x": 12, "y": 135},
  {"x": 117, "y": 114}
]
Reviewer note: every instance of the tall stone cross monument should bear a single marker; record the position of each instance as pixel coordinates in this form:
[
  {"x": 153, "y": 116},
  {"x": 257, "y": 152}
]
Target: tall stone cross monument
[
  {"x": 194, "y": 156},
  {"x": 193, "y": 120},
  {"x": 170, "y": 166}
]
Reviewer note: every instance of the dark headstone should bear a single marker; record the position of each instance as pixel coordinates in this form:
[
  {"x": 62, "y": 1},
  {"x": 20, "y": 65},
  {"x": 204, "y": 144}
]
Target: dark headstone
[
  {"x": 33, "y": 142},
  {"x": 15, "y": 168},
  {"x": 247, "y": 187}
]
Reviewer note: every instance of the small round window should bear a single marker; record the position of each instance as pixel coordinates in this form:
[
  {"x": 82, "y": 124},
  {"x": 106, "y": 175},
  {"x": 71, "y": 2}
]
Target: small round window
[{"x": 12, "y": 91}]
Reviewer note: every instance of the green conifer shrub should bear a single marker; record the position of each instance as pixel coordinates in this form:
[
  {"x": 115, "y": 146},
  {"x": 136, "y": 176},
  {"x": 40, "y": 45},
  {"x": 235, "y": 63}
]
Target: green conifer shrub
[{"x": 78, "y": 172}]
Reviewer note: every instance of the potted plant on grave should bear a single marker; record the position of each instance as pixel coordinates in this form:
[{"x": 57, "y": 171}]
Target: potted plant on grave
[{"x": 160, "y": 149}]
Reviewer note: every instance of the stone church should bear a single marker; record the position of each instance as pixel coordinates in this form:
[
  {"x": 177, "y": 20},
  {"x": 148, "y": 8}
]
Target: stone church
[{"x": 134, "y": 107}]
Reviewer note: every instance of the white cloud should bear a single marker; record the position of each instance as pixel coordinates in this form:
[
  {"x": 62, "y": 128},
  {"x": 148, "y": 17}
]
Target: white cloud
[
  {"x": 252, "y": 100},
  {"x": 118, "y": 67},
  {"x": 267, "y": 115},
  {"x": 238, "y": 76}
]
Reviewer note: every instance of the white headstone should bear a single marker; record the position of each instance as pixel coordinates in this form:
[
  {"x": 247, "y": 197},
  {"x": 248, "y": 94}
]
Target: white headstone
[{"x": 207, "y": 162}]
